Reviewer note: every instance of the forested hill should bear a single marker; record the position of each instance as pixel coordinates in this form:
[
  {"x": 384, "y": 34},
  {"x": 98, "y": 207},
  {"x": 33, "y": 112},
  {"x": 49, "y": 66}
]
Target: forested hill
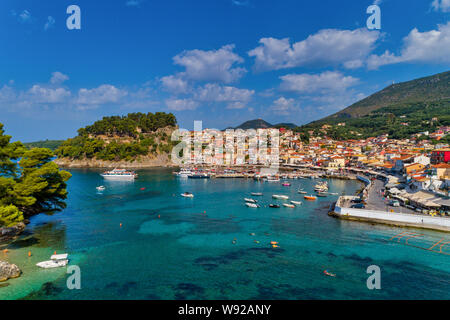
[
  {"x": 428, "y": 89},
  {"x": 118, "y": 138},
  {"x": 399, "y": 110}
]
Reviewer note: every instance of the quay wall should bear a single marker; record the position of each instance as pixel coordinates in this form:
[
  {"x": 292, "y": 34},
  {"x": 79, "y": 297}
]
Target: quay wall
[{"x": 391, "y": 218}]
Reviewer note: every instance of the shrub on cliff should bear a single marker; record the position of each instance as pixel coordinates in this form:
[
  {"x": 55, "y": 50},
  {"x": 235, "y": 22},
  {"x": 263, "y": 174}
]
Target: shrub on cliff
[{"x": 28, "y": 186}]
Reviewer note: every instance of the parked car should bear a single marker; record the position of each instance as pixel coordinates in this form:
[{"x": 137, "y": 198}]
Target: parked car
[
  {"x": 358, "y": 206},
  {"x": 394, "y": 203}
]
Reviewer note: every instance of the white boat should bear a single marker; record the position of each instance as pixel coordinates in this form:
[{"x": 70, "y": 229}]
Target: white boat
[
  {"x": 334, "y": 193},
  {"x": 56, "y": 261},
  {"x": 302, "y": 192},
  {"x": 119, "y": 175},
  {"x": 251, "y": 205},
  {"x": 100, "y": 188},
  {"x": 296, "y": 202},
  {"x": 187, "y": 195},
  {"x": 288, "y": 205},
  {"x": 279, "y": 196},
  {"x": 250, "y": 200},
  {"x": 184, "y": 173},
  {"x": 273, "y": 179},
  {"x": 257, "y": 194}
]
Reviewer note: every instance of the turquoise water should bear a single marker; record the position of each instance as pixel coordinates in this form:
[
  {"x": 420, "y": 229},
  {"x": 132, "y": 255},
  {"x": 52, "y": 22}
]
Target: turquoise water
[{"x": 170, "y": 247}]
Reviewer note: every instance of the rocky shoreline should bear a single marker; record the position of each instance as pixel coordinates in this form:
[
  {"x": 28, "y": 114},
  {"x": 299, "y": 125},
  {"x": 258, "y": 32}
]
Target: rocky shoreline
[
  {"x": 8, "y": 271},
  {"x": 7, "y": 234},
  {"x": 143, "y": 162}
]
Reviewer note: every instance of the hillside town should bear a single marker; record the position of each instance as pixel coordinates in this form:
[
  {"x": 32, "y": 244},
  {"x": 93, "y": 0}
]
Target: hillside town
[{"x": 415, "y": 171}]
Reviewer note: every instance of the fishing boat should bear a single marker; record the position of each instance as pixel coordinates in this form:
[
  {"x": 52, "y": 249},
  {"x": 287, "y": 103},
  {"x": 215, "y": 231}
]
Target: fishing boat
[
  {"x": 274, "y": 205},
  {"x": 250, "y": 200},
  {"x": 187, "y": 195},
  {"x": 310, "y": 198},
  {"x": 100, "y": 188},
  {"x": 280, "y": 197},
  {"x": 288, "y": 205},
  {"x": 199, "y": 175},
  {"x": 251, "y": 205},
  {"x": 183, "y": 173},
  {"x": 321, "y": 187},
  {"x": 272, "y": 179},
  {"x": 56, "y": 261},
  {"x": 296, "y": 202},
  {"x": 119, "y": 175},
  {"x": 256, "y": 194}
]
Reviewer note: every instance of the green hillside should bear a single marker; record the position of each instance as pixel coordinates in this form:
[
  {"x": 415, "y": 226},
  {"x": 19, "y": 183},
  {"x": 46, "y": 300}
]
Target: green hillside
[
  {"x": 428, "y": 89},
  {"x": 399, "y": 110},
  {"x": 50, "y": 144},
  {"x": 122, "y": 138}
]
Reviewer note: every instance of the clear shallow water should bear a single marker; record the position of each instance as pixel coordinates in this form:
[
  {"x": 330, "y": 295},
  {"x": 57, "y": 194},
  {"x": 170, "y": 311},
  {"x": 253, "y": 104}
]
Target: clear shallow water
[{"x": 188, "y": 252}]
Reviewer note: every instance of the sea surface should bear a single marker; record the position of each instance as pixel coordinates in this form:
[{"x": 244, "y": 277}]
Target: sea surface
[{"x": 134, "y": 243}]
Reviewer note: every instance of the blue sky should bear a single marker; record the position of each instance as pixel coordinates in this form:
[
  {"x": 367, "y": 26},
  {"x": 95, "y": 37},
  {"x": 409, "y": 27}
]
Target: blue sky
[{"x": 219, "y": 61}]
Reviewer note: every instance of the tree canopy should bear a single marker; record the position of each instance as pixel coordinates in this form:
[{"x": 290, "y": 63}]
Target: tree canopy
[{"x": 30, "y": 182}]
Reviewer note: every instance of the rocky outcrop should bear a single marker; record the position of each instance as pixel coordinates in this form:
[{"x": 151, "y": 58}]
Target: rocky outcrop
[
  {"x": 11, "y": 232},
  {"x": 143, "y": 162},
  {"x": 8, "y": 271}
]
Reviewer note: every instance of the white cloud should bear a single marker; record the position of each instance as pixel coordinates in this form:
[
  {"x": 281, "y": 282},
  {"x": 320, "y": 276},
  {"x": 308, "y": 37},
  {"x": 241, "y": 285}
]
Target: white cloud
[
  {"x": 283, "y": 106},
  {"x": 25, "y": 16},
  {"x": 216, "y": 93},
  {"x": 105, "y": 93},
  {"x": 214, "y": 65},
  {"x": 418, "y": 47},
  {"x": 327, "y": 47},
  {"x": 58, "y": 78},
  {"x": 181, "y": 104},
  {"x": 175, "y": 84},
  {"x": 48, "y": 95},
  {"x": 50, "y": 23},
  {"x": 441, "y": 5},
  {"x": 133, "y": 3},
  {"x": 328, "y": 81}
]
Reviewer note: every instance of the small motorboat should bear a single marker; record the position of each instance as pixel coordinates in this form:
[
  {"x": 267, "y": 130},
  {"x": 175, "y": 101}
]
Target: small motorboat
[
  {"x": 56, "y": 261},
  {"x": 279, "y": 196},
  {"x": 257, "y": 194},
  {"x": 329, "y": 273},
  {"x": 310, "y": 198},
  {"x": 302, "y": 192},
  {"x": 251, "y": 205},
  {"x": 187, "y": 195},
  {"x": 334, "y": 193},
  {"x": 296, "y": 202},
  {"x": 250, "y": 200},
  {"x": 288, "y": 205},
  {"x": 100, "y": 188},
  {"x": 273, "y": 205},
  {"x": 286, "y": 184}
]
